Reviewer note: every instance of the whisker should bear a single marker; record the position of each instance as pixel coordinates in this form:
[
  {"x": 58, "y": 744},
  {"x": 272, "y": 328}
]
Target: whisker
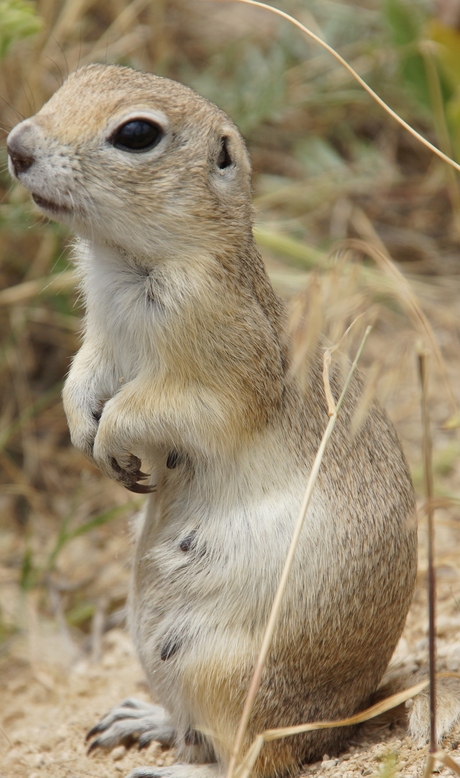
[{"x": 13, "y": 108}]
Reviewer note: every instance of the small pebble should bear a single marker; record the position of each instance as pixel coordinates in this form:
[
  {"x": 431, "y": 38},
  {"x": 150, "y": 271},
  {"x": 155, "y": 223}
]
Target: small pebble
[
  {"x": 36, "y": 760},
  {"x": 118, "y": 753},
  {"x": 14, "y": 756},
  {"x": 62, "y": 732}
]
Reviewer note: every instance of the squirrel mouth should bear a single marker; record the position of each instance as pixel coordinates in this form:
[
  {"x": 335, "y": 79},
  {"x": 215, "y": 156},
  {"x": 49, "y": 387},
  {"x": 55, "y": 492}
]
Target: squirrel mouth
[{"x": 49, "y": 205}]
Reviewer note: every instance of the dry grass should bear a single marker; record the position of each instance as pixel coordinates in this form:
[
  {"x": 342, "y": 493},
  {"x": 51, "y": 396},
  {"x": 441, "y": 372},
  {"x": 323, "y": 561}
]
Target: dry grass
[{"x": 328, "y": 164}]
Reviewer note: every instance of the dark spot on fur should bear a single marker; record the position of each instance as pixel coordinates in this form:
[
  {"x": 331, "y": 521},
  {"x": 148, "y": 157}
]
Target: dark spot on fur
[
  {"x": 174, "y": 459},
  {"x": 170, "y": 647},
  {"x": 151, "y": 297},
  {"x": 187, "y": 542}
]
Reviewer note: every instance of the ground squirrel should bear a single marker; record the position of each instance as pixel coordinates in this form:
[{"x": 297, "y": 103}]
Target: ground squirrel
[{"x": 185, "y": 368}]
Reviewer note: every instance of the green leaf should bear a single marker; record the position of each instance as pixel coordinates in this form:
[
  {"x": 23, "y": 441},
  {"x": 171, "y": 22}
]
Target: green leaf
[
  {"x": 403, "y": 21},
  {"x": 28, "y": 576},
  {"x": 66, "y": 534},
  {"x": 406, "y": 23},
  {"x": 18, "y": 20},
  {"x": 448, "y": 50}
]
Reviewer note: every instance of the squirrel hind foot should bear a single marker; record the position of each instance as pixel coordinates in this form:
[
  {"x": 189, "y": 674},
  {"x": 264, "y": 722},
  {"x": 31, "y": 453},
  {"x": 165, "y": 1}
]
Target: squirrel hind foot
[
  {"x": 447, "y": 710},
  {"x": 132, "y": 721},
  {"x": 178, "y": 771}
]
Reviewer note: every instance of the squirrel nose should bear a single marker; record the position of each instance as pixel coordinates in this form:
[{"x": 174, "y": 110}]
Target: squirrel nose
[{"x": 21, "y": 157}]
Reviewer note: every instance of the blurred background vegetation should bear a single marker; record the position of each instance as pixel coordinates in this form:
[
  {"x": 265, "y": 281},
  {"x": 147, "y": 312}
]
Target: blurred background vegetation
[{"x": 339, "y": 188}]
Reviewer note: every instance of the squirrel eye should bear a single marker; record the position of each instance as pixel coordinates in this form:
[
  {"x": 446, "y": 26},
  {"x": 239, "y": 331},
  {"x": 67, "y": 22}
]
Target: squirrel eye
[{"x": 137, "y": 135}]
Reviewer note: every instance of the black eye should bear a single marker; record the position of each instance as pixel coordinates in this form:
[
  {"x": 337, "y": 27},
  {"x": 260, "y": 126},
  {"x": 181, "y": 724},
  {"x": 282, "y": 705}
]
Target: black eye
[
  {"x": 224, "y": 159},
  {"x": 137, "y": 135}
]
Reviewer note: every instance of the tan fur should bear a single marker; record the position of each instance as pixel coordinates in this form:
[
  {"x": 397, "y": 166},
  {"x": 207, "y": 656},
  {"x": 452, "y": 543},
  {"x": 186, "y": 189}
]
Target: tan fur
[{"x": 185, "y": 351}]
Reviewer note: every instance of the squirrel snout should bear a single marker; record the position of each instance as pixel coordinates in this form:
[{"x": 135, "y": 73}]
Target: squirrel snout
[{"x": 21, "y": 157}]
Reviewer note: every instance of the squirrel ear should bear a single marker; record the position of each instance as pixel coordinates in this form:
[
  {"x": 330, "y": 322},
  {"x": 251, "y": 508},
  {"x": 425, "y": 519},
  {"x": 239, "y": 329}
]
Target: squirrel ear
[{"x": 224, "y": 159}]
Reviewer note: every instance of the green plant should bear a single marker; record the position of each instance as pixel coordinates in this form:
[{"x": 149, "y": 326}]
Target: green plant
[{"x": 19, "y": 19}]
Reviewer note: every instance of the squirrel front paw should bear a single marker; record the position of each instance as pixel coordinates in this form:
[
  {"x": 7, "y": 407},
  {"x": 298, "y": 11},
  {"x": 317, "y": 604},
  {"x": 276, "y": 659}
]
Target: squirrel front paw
[
  {"x": 126, "y": 470},
  {"x": 83, "y": 413},
  {"x": 83, "y": 434},
  {"x": 111, "y": 454}
]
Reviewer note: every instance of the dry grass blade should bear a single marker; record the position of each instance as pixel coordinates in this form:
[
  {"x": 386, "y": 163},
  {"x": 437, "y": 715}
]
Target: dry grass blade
[
  {"x": 72, "y": 13},
  {"x": 244, "y": 768},
  {"x": 269, "y": 631},
  {"x": 327, "y": 360},
  {"x": 378, "y": 709},
  {"x": 301, "y": 254},
  {"x": 428, "y": 478},
  {"x": 253, "y": 752},
  {"x": 429, "y": 767},
  {"x": 408, "y": 299},
  {"x": 355, "y": 75},
  {"x": 439, "y": 119},
  {"x": 433, "y": 755},
  {"x": 358, "y": 718},
  {"x": 22, "y": 293},
  {"x": 447, "y": 760},
  {"x": 117, "y": 29},
  {"x": 6, "y": 737}
]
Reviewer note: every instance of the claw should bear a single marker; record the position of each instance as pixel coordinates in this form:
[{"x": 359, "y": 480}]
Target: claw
[
  {"x": 131, "y": 722},
  {"x": 127, "y": 739},
  {"x": 141, "y": 488},
  {"x": 96, "y": 730},
  {"x": 127, "y": 742},
  {"x": 115, "y": 466},
  {"x": 144, "y": 740},
  {"x": 92, "y": 746},
  {"x": 129, "y": 478},
  {"x": 93, "y": 731}
]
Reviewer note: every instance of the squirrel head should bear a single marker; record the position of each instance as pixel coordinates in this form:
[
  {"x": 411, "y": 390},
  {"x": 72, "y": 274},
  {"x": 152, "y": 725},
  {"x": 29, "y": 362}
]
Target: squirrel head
[{"x": 135, "y": 160}]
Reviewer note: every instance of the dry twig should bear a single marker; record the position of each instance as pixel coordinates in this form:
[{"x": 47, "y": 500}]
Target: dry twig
[{"x": 428, "y": 478}]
